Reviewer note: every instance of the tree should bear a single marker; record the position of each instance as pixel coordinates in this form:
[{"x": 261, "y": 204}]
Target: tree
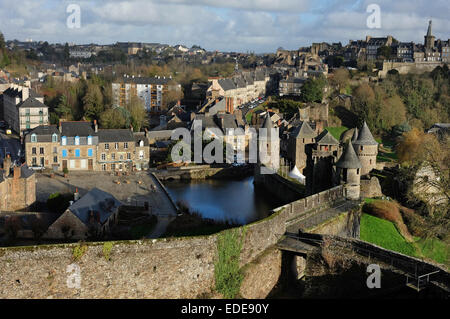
[
  {"x": 93, "y": 102},
  {"x": 340, "y": 78},
  {"x": 384, "y": 52},
  {"x": 63, "y": 109},
  {"x": 2, "y": 41},
  {"x": 138, "y": 113},
  {"x": 312, "y": 90},
  {"x": 172, "y": 96},
  {"x": 393, "y": 112},
  {"x": 112, "y": 118}
]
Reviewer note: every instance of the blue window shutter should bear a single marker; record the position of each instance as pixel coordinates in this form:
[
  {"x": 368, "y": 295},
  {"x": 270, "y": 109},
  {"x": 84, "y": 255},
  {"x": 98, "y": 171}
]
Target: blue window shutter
[{"x": 64, "y": 153}]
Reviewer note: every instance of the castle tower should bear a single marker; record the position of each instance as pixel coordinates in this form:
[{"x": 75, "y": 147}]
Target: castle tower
[
  {"x": 348, "y": 170},
  {"x": 429, "y": 38},
  {"x": 302, "y": 136},
  {"x": 366, "y": 149},
  {"x": 268, "y": 146}
]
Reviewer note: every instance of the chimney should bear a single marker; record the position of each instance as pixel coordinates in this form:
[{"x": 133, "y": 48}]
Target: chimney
[
  {"x": 95, "y": 126},
  {"x": 25, "y": 93},
  {"x": 17, "y": 172},
  {"x": 146, "y": 132},
  {"x": 76, "y": 195},
  {"x": 7, "y": 165}
]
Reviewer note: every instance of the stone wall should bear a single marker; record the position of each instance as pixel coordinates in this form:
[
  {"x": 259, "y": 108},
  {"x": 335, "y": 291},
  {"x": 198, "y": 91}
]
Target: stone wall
[
  {"x": 163, "y": 268},
  {"x": 280, "y": 187}
]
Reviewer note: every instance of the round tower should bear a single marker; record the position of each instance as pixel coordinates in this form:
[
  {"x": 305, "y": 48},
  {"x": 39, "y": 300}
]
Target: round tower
[
  {"x": 366, "y": 149},
  {"x": 348, "y": 169}
]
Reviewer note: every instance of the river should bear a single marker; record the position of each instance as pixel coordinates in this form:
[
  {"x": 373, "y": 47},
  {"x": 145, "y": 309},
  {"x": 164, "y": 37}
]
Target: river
[{"x": 236, "y": 201}]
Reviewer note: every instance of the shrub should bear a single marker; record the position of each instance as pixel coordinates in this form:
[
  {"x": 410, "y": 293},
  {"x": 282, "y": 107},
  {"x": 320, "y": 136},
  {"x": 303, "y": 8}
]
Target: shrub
[{"x": 58, "y": 203}]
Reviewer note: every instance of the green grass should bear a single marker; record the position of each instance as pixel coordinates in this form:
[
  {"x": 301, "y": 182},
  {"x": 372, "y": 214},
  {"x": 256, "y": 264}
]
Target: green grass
[
  {"x": 383, "y": 233},
  {"x": 248, "y": 116},
  {"x": 336, "y": 131},
  {"x": 435, "y": 249}
]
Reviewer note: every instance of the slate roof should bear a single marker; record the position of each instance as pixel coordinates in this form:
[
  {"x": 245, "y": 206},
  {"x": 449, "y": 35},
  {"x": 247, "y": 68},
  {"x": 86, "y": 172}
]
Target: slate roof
[
  {"x": 226, "y": 121},
  {"x": 32, "y": 102},
  {"x": 239, "y": 82},
  {"x": 349, "y": 159},
  {"x": 115, "y": 135},
  {"x": 303, "y": 130},
  {"x": 365, "y": 136},
  {"x": 95, "y": 200},
  {"x": 77, "y": 129},
  {"x": 44, "y": 133},
  {"x": 325, "y": 138},
  {"x": 227, "y": 84},
  {"x": 13, "y": 92}
]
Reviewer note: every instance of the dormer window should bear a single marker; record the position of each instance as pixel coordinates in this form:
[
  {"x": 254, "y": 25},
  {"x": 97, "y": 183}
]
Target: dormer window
[
  {"x": 64, "y": 140},
  {"x": 77, "y": 140},
  {"x": 89, "y": 140},
  {"x": 54, "y": 138},
  {"x": 33, "y": 138},
  {"x": 141, "y": 143}
]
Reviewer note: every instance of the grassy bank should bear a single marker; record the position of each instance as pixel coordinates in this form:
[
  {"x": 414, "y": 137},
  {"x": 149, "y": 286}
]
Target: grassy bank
[{"x": 336, "y": 131}]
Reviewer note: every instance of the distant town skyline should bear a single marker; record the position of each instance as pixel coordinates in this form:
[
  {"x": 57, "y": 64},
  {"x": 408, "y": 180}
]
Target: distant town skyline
[{"x": 258, "y": 26}]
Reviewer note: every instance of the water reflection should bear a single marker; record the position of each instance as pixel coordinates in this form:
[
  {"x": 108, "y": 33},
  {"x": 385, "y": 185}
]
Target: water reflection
[{"x": 237, "y": 201}]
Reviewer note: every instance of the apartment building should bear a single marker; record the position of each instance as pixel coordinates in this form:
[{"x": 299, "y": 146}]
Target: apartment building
[
  {"x": 81, "y": 146},
  {"x": 150, "y": 90},
  {"x": 24, "y": 109}
]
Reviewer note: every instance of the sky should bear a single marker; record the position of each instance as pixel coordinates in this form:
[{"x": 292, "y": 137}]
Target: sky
[{"x": 259, "y": 26}]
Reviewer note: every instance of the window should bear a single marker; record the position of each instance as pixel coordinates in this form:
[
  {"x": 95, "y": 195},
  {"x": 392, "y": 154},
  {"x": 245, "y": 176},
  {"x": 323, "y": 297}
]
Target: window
[
  {"x": 33, "y": 138},
  {"x": 77, "y": 140},
  {"x": 63, "y": 140},
  {"x": 34, "y": 161},
  {"x": 90, "y": 152},
  {"x": 55, "y": 149},
  {"x": 141, "y": 143},
  {"x": 42, "y": 161},
  {"x": 41, "y": 150},
  {"x": 77, "y": 153},
  {"x": 103, "y": 167},
  {"x": 113, "y": 156},
  {"x": 55, "y": 159},
  {"x": 33, "y": 151},
  {"x": 125, "y": 145},
  {"x": 116, "y": 146},
  {"x": 54, "y": 138},
  {"x": 64, "y": 153},
  {"x": 89, "y": 139},
  {"x": 113, "y": 167},
  {"x": 103, "y": 157},
  {"x": 128, "y": 156},
  {"x": 106, "y": 146}
]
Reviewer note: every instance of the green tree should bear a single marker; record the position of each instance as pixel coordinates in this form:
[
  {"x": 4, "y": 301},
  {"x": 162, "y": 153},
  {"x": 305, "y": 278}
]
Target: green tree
[
  {"x": 2, "y": 41},
  {"x": 312, "y": 90},
  {"x": 384, "y": 52},
  {"x": 63, "y": 109},
  {"x": 112, "y": 118},
  {"x": 138, "y": 113},
  {"x": 93, "y": 102}
]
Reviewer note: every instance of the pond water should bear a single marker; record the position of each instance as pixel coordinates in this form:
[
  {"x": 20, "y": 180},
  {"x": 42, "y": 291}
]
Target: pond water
[{"x": 237, "y": 201}]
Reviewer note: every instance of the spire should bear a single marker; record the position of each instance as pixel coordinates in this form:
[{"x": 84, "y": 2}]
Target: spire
[
  {"x": 349, "y": 158},
  {"x": 429, "y": 28},
  {"x": 365, "y": 137}
]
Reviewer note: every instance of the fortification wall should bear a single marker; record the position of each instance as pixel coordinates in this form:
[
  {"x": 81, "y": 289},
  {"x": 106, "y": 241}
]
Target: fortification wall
[{"x": 163, "y": 268}]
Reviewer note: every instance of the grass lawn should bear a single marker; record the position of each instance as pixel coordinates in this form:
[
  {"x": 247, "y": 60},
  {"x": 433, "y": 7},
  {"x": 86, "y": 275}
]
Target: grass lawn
[
  {"x": 248, "y": 116},
  {"x": 336, "y": 131},
  {"x": 383, "y": 233},
  {"x": 387, "y": 152}
]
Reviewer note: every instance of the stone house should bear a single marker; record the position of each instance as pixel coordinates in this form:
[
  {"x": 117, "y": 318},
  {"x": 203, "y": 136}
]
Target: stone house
[
  {"x": 17, "y": 187},
  {"x": 24, "y": 109},
  {"x": 93, "y": 215}
]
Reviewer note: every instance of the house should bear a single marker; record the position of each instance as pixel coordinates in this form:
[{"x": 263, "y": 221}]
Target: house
[
  {"x": 93, "y": 215},
  {"x": 24, "y": 109}
]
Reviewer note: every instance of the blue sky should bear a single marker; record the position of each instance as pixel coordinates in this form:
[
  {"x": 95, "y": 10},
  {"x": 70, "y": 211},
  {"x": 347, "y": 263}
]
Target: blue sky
[{"x": 228, "y": 25}]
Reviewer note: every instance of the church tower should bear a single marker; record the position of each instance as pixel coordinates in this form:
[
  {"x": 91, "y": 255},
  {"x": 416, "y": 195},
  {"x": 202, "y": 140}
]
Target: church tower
[
  {"x": 429, "y": 38},
  {"x": 268, "y": 147}
]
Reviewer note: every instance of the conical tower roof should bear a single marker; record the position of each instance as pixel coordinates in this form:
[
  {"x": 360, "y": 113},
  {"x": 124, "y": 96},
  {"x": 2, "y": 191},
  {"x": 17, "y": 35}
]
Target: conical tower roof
[
  {"x": 349, "y": 159},
  {"x": 355, "y": 135},
  {"x": 429, "y": 28},
  {"x": 267, "y": 122},
  {"x": 365, "y": 137}
]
